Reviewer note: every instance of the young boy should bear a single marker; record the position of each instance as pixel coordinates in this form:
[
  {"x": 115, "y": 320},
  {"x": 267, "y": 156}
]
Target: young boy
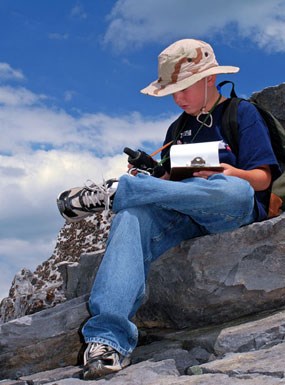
[{"x": 155, "y": 214}]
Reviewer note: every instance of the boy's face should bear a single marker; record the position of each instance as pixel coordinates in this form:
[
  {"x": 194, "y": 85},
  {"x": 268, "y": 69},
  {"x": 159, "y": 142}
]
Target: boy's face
[{"x": 192, "y": 99}]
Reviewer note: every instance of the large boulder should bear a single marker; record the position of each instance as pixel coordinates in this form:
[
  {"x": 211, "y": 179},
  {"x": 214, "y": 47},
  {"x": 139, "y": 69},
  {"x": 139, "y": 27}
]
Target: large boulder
[
  {"x": 211, "y": 279},
  {"x": 219, "y": 277},
  {"x": 41, "y": 341}
]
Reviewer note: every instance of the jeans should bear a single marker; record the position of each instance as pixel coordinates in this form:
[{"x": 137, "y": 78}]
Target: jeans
[{"x": 153, "y": 215}]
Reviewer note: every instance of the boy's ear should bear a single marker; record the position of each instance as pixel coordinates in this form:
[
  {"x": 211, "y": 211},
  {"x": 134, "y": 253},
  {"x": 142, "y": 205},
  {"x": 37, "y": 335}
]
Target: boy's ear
[{"x": 211, "y": 80}]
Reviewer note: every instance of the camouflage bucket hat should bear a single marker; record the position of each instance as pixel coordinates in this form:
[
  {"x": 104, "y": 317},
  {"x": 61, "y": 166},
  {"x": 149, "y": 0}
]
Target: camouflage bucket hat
[{"x": 182, "y": 64}]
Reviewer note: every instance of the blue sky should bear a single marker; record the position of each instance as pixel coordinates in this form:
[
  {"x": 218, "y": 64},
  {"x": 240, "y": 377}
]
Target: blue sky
[{"x": 70, "y": 75}]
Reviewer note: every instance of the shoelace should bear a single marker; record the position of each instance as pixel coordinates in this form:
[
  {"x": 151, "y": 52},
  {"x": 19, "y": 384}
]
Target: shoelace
[
  {"x": 98, "y": 350},
  {"x": 95, "y": 194}
]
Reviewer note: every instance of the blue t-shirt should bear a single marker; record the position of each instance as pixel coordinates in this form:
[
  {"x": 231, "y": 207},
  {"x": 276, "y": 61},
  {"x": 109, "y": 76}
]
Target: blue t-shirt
[{"x": 255, "y": 148}]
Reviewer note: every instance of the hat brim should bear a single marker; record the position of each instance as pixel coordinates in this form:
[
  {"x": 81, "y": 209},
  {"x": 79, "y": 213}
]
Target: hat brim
[{"x": 157, "y": 89}]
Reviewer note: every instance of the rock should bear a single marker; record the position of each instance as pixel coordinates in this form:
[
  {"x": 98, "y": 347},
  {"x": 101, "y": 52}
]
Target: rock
[
  {"x": 255, "y": 335},
  {"x": 139, "y": 374},
  {"x": 163, "y": 350},
  {"x": 50, "y": 339},
  {"x": 53, "y": 375},
  {"x": 268, "y": 362},
  {"x": 196, "y": 284},
  {"x": 226, "y": 371},
  {"x": 78, "y": 277},
  {"x": 272, "y": 98},
  {"x": 218, "y": 278},
  {"x": 42, "y": 341}
]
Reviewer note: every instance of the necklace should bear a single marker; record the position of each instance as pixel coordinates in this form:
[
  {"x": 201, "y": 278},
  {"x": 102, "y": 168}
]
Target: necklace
[{"x": 209, "y": 115}]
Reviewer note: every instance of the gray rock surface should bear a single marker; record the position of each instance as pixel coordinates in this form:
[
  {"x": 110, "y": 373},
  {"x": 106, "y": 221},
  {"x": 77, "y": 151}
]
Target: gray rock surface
[
  {"x": 206, "y": 280},
  {"x": 218, "y": 277},
  {"x": 272, "y": 98},
  {"x": 42, "y": 341},
  {"x": 184, "y": 357},
  {"x": 268, "y": 362}
]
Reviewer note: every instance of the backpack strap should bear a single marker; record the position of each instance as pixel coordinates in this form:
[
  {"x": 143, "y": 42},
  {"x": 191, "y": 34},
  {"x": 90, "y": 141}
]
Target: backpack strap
[
  {"x": 230, "y": 117},
  {"x": 233, "y": 92},
  {"x": 230, "y": 123}
]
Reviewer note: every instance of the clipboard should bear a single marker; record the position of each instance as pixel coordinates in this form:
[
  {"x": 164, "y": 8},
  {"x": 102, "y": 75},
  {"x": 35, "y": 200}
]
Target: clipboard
[
  {"x": 186, "y": 159},
  {"x": 180, "y": 173}
]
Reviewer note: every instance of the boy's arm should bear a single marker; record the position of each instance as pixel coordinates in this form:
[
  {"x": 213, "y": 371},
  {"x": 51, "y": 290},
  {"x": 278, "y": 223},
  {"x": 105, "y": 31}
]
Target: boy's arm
[{"x": 259, "y": 178}]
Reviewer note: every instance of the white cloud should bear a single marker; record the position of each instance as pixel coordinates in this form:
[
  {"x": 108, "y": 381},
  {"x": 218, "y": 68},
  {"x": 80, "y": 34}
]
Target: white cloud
[
  {"x": 18, "y": 96},
  {"x": 27, "y": 125},
  {"x": 78, "y": 12},
  {"x": 30, "y": 183},
  {"x": 261, "y": 21},
  {"x": 68, "y": 95},
  {"x": 58, "y": 36},
  {"x": 112, "y": 134},
  {"x": 44, "y": 150},
  {"x": 8, "y": 73}
]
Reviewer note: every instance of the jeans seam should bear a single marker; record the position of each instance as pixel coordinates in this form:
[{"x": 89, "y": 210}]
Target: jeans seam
[
  {"x": 162, "y": 234},
  {"x": 170, "y": 226},
  {"x": 238, "y": 217}
]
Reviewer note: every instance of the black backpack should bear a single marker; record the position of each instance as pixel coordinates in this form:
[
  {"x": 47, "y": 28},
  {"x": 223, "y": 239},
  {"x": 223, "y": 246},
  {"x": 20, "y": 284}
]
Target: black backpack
[{"x": 276, "y": 131}]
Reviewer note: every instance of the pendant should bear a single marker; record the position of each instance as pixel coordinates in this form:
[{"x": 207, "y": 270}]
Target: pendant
[{"x": 204, "y": 122}]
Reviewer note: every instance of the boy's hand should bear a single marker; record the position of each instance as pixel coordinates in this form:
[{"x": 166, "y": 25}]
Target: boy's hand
[
  {"x": 166, "y": 176},
  {"x": 133, "y": 172},
  {"x": 206, "y": 173}
]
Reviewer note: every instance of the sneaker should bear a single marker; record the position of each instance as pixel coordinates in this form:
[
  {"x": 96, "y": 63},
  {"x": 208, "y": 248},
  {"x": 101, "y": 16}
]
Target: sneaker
[
  {"x": 79, "y": 202},
  {"x": 100, "y": 360}
]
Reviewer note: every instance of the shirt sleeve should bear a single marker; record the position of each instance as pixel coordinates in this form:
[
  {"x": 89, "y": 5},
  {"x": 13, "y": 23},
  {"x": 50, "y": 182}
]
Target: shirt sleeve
[{"x": 255, "y": 147}]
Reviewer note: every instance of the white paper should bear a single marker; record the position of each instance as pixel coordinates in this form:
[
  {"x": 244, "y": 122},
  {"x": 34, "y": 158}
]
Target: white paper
[{"x": 204, "y": 154}]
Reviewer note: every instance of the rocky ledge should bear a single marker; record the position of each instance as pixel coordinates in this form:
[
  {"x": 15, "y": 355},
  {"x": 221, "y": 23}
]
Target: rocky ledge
[
  {"x": 245, "y": 352},
  {"x": 233, "y": 284}
]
